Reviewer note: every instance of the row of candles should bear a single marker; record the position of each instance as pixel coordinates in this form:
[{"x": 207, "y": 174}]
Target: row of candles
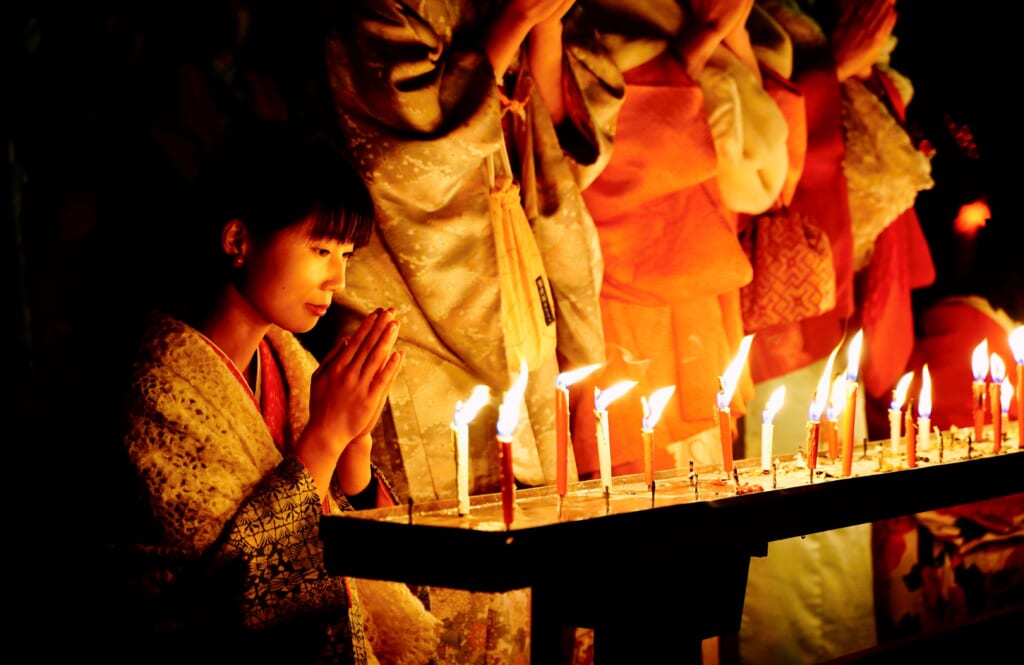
[{"x": 834, "y": 400}]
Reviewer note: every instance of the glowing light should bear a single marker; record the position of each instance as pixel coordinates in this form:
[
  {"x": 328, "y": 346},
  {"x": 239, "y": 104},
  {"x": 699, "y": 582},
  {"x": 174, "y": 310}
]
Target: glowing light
[
  {"x": 971, "y": 218},
  {"x": 732, "y": 373},
  {"x": 822, "y": 391},
  {"x": 924, "y": 404},
  {"x": 774, "y": 404},
  {"x": 466, "y": 411},
  {"x": 900, "y": 394},
  {"x": 979, "y": 361},
  {"x": 654, "y": 406},
  {"x": 997, "y": 367},
  {"x": 508, "y": 412},
  {"x": 853, "y": 356},
  {"x": 1017, "y": 344},
  {"x": 836, "y": 399},
  {"x": 566, "y": 379},
  {"x": 602, "y": 398}
]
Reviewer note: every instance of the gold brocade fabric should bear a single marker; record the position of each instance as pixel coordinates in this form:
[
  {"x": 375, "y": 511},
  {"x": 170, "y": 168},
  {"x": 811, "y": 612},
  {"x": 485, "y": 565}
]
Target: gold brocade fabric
[
  {"x": 235, "y": 560},
  {"x": 420, "y": 111}
]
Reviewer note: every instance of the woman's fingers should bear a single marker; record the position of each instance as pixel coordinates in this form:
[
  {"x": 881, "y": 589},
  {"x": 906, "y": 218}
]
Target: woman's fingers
[
  {"x": 355, "y": 349},
  {"x": 375, "y": 346}
]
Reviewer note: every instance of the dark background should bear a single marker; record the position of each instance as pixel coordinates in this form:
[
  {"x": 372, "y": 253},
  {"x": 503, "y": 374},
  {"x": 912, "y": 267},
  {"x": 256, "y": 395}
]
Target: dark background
[{"x": 109, "y": 108}]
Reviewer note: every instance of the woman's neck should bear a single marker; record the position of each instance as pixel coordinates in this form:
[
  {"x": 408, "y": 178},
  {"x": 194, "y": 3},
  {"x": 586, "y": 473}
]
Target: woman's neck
[{"x": 236, "y": 329}]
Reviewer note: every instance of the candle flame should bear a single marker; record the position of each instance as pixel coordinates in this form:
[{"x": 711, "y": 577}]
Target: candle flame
[
  {"x": 900, "y": 394},
  {"x": 1017, "y": 344},
  {"x": 566, "y": 379},
  {"x": 821, "y": 394},
  {"x": 732, "y": 373},
  {"x": 853, "y": 356},
  {"x": 465, "y": 412},
  {"x": 998, "y": 368},
  {"x": 773, "y": 405},
  {"x": 602, "y": 398},
  {"x": 1005, "y": 395},
  {"x": 979, "y": 361},
  {"x": 508, "y": 412},
  {"x": 836, "y": 401},
  {"x": 924, "y": 403},
  {"x": 654, "y": 405}
]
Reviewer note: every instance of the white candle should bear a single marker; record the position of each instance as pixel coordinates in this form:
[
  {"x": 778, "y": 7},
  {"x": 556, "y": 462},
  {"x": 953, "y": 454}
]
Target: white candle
[
  {"x": 464, "y": 414},
  {"x": 895, "y": 407},
  {"x": 602, "y": 398},
  {"x": 768, "y": 425},
  {"x": 924, "y": 410}
]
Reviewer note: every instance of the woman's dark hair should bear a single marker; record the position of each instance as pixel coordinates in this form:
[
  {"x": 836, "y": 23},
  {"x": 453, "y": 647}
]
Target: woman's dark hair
[
  {"x": 273, "y": 176},
  {"x": 270, "y": 176}
]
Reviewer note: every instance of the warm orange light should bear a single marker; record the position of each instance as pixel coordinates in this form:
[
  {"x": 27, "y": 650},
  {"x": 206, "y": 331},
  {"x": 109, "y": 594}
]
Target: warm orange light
[{"x": 971, "y": 218}]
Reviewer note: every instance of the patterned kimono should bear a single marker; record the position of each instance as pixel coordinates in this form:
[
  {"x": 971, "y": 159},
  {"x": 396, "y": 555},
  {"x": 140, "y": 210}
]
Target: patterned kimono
[
  {"x": 420, "y": 110},
  {"x": 233, "y": 557}
]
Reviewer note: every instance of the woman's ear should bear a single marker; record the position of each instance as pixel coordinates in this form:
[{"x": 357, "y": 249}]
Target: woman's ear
[{"x": 234, "y": 240}]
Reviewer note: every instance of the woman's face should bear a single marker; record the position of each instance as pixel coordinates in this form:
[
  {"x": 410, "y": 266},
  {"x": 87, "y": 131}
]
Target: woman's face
[{"x": 290, "y": 279}]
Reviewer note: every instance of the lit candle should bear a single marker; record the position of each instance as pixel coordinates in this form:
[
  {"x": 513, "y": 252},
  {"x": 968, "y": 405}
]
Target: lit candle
[
  {"x": 768, "y": 425},
  {"x": 652, "y": 409},
  {"x": 998, "y": 370},
  {"x": 602, "y": 398},
  {"x": 813, "y": 428},
  {"x": 728, "y": 382},
  {"x": 895, "y": 406},
  {"x": 911, "y": 438},
  {"x": 464, "y": 414},
  {"x": 1007, "y": 395},
  {"x": 849, "y": 411},
  {"x": 562, "y": 383},
  {"x": 816, "y": 409},
  {"x": 508, "y": 416},
  {"x": 1017, "y": 347},
  {"x": 830, "y": 426},
  {"x": 979, "y": 367},
  {"x": 924, "y": 410}
]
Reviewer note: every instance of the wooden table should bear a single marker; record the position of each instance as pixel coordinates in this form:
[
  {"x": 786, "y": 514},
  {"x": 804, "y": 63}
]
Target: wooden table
[{"x": 651, "y": 580}]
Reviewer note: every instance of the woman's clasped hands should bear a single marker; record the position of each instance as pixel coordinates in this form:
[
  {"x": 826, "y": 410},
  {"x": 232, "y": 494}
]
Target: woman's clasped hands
[{"x": 347, "y": 396}]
